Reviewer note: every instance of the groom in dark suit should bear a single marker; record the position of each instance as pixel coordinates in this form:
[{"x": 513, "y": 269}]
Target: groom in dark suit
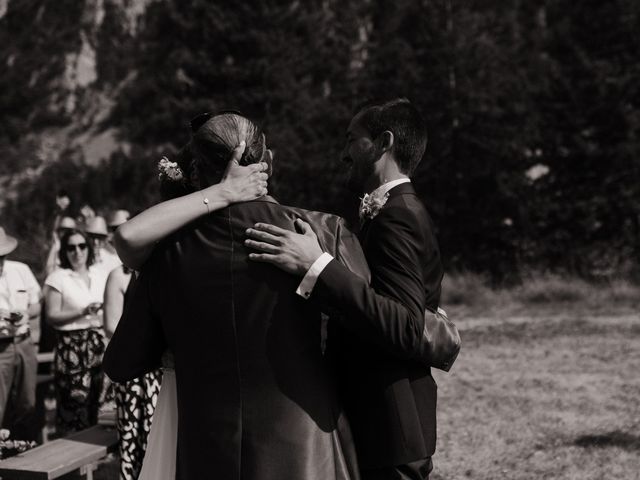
[{"x": 388, "y": 392}]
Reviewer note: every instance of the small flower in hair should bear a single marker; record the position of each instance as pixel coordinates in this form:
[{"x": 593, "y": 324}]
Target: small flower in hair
[{"x": 169, "y": 171}]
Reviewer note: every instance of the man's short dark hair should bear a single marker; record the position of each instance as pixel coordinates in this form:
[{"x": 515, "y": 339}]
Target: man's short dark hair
[{"x": 401, "y": 118}]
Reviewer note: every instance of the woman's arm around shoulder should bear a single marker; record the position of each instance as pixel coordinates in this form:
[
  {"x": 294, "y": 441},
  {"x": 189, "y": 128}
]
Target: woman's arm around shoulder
[{"x": 135, "y": 239}]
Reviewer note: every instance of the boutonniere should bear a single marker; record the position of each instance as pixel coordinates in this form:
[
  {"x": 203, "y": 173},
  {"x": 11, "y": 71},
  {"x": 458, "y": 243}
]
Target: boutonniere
[
  {"x": 371, "y": 204},
  {"x": 169, "y": 171}
]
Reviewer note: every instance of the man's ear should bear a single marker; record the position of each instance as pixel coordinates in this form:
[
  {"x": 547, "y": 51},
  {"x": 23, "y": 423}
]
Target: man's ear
[
  {"x": 385, "y": 141},
  {"x": 268, "y": 159}
]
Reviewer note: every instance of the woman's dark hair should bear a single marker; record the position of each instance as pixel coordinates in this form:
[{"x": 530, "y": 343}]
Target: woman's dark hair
[{"x": 64, "y": 242}]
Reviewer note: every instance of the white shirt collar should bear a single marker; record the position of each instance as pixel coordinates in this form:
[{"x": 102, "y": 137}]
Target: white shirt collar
[{"x": 383, "y": 189}]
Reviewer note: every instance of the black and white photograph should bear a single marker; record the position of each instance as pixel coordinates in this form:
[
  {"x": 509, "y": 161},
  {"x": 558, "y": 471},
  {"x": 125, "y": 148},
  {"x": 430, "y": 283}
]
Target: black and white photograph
[{"x": 319, "y": 240}]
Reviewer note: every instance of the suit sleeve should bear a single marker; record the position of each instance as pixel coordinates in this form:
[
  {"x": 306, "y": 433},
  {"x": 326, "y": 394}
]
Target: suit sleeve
[
  {"x": 138, "y": 341},
  {"x": 390, "y": 311},
  {"x": 348, "y": 252}
]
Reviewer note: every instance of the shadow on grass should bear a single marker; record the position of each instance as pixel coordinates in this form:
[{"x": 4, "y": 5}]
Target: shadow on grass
[{"x": 616, "y": 438}]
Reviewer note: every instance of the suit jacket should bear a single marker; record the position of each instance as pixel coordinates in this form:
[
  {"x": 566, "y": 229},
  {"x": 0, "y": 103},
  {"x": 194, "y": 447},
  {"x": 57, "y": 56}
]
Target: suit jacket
[
  {"x": 388, "y": 392},
  {"x": 256, "y": 399}
]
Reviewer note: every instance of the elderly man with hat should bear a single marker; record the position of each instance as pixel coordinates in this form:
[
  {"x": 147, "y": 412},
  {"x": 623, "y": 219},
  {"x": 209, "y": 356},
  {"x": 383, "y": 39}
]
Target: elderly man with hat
[
  {"x": 105, "y": 260},
  {"x": 114, "y": 220},
  {"x": 19, "y": 304}
]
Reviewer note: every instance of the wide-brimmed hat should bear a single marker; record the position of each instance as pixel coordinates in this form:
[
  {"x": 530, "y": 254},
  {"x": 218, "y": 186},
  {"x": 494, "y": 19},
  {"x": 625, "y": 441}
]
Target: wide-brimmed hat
[
  {"x": 117, "y": 218},
  {"x": 7, "y": 243},
  {"x": 67, "y": 222},
  {"x": 96, "y": 226}
]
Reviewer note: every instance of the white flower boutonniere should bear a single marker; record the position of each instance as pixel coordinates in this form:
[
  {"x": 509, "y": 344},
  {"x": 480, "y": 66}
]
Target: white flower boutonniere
[
  {"x": 169, "y": 171},
  {"x": 371, "y": 204}
]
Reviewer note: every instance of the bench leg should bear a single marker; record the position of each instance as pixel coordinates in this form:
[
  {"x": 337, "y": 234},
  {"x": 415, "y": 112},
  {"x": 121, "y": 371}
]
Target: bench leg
[{"x": 87, "y": 470}]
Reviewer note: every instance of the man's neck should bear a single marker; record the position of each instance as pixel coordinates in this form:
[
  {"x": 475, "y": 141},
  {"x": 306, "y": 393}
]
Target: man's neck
[
  {"x": 385, "y": 170},
  {"x": 380, "y": 180}
]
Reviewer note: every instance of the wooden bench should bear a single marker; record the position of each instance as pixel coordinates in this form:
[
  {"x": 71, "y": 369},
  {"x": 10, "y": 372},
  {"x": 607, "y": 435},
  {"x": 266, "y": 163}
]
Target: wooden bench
[
  {"x": 42, "y": 378},
  {"x": 108, "y": 418},
  {"x": 76, "y": 453},
  {"x": 45, "y": 357}
]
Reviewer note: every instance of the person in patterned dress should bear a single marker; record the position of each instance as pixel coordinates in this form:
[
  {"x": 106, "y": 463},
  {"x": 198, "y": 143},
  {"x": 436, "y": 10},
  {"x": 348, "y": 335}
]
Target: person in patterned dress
[{"x": 136, "y": 399}]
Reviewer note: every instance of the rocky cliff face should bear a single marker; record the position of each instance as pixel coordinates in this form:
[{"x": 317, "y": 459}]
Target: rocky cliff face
[{"x": 63, "y": 64}]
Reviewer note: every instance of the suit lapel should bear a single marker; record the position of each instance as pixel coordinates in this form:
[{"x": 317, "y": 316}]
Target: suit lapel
[{"x": 362, "y": 233}]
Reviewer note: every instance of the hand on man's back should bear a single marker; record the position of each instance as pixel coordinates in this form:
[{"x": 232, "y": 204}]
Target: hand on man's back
[{"x": 293, "y": 252}]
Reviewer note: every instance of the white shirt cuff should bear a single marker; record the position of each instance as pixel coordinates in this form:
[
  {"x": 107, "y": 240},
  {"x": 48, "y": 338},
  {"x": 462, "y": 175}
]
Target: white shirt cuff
[{"x": 311, "y": 277}]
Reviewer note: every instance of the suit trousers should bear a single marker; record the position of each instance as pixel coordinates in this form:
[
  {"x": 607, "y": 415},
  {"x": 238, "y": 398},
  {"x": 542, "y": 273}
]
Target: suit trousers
[
  {"x": 18, "y": 375},
  {"x": 418, "y": 470}
]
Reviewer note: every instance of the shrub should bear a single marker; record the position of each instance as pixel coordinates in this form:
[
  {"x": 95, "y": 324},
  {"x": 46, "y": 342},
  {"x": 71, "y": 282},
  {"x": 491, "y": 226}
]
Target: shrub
[
  {"x": 466, "y": 288},
  {"x": 549, "y": 288}
]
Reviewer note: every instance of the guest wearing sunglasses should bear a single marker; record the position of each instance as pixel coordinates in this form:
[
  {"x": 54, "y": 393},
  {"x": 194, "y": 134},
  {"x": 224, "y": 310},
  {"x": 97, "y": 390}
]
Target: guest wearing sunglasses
[{"x": 73, "y": 296}]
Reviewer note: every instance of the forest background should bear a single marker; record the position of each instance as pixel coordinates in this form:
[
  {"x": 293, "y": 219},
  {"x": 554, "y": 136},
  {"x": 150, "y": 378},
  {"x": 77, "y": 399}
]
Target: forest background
[{"x": 533, "y": 161}]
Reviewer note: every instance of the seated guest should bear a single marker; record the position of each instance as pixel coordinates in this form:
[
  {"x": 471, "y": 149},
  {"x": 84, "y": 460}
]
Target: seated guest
[
  {"x": 19, "y": 305},
  {"x": 74, "y": 296}
]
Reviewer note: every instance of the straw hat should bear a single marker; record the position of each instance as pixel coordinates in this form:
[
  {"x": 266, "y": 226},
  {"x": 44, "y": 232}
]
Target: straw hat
[
  {"x": 7, "y": 243},
  {"x": 67, "y": 222},
  {"x": 96, "y": 226},
  {"x": 117, "y": 218}
]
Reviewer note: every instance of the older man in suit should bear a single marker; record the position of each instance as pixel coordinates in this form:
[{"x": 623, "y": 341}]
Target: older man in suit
[{"x": 255, "y": 398}]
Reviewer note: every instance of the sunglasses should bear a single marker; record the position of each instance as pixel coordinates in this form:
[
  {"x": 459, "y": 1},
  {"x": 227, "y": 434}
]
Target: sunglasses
[
  {"x": 199, "y": 120},
  {"x": 72, "y": 247}
]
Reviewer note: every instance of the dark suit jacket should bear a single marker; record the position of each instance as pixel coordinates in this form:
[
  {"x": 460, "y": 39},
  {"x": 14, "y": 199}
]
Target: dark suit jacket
[
  {"x": 256, "y": 400},
  {"x": 388, "y": 393}
]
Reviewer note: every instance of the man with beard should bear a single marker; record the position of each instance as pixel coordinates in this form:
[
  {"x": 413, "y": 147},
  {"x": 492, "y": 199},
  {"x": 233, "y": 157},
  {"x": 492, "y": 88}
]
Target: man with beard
[{"x": 388, "y": 392}]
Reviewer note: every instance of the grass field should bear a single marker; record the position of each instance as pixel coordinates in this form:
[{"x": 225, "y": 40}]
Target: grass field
[
  {"x": 547, "y": 385},
  {"x": 552, "y": 394},
  {"x": 547, "y": 396}
]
